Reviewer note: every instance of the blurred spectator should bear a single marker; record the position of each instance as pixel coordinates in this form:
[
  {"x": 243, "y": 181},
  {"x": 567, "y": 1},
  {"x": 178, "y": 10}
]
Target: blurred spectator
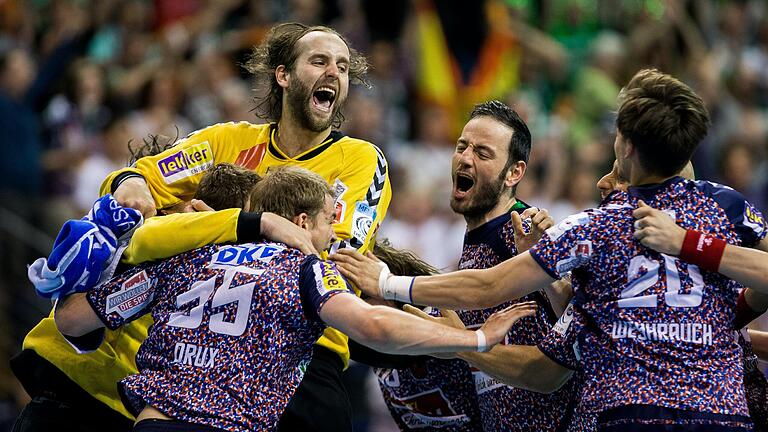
[
  {"x": 164, "y": 65},
  {"x": 113, "y": 155}
]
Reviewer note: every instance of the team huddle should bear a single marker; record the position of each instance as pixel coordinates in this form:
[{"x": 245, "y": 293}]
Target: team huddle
[{"x": 225, "y": 282}]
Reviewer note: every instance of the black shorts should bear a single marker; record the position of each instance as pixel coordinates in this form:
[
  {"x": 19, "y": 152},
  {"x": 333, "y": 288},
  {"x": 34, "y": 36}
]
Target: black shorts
[
  {"x": 650, "y": 418},
  {"x": 156, "y": 425},
  {"x": 321, "y": 402}
]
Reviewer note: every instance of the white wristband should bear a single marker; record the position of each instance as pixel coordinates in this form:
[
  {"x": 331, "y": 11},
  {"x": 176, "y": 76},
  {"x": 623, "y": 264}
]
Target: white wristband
[
  {"x": 383, "y": 276},
  {"x": 482, "y": 343},
  {"x": 396, "y": 288}
]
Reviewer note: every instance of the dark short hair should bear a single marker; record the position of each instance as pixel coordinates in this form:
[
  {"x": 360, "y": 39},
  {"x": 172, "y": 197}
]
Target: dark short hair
[
  {"x": 226, "y": 186},
  {"x": 279, "y": 48},
  {"x": 663, "y": 118},
  {"x": 289, "y": 191},
  {"x": 520, "y": 144}
]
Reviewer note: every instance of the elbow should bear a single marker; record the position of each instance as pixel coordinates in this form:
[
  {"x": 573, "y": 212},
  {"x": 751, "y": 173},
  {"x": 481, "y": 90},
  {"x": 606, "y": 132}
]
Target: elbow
[
  {"x": 550, "y": 384},
  {"x": 67, "y": 323}
]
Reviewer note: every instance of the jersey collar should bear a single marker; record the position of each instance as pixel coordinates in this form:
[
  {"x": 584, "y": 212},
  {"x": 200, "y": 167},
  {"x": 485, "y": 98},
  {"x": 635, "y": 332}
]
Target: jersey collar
[
  {"x": 275, "y": 151},
  {"x": 647, "y": 192},
  {"x": 482, "y": 233}
]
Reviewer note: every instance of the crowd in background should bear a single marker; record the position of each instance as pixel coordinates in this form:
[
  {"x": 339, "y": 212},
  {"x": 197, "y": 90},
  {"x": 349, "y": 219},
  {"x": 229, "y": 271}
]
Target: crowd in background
[{"x": 80, "y": 79}]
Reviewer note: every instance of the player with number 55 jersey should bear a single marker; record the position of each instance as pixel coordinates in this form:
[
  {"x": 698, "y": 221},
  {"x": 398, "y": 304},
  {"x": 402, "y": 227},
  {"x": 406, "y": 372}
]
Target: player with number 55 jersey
[{"x": 234, "y": 325}]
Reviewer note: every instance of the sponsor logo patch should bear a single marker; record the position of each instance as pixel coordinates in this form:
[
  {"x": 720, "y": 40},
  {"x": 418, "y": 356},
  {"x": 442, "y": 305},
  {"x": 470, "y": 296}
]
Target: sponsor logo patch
[
  {"x": 566, "y": 224},
  {"x": 362, "y": 220},
  {"x": 753, "y": 219},
  {"x": 233, "y": 256},
  {"x": 580, "y": 255},
  {"x": 327, "y": 278},
  {"x": 339, "y": 189},
  {"x": 186, "y": 162},
  {"x": 561, "y": 326},
  {"x": 134, "y": 295}
]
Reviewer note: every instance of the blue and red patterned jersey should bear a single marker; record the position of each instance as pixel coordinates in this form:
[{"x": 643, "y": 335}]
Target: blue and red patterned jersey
[
  {"x": 561, "y": 345},
  {"x": 431, "y": 394},
  {"x": 755, "y": 384},
  {"x": 233, "y": 332},
  {"x": 660, "y": 330},
  {"x": 503, "y": 407}
]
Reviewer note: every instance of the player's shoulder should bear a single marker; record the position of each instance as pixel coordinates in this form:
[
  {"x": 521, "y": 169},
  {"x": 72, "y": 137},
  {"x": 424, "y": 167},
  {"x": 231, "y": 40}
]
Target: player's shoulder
[
  {"x": 359, "y": 148},
  {"x": 725, "y": 196},
  {"x": 232, "y": 128}
]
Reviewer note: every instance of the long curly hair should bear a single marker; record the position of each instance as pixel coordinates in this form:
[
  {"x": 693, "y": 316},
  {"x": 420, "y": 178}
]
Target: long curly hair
[{"x": 279, "y": 48}]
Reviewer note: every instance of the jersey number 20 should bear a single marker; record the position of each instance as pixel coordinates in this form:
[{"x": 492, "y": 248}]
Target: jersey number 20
[{"x": 645, "y": 273}]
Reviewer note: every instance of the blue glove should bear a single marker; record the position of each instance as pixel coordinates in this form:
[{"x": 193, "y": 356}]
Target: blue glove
[{"x": 83, "y": 249}]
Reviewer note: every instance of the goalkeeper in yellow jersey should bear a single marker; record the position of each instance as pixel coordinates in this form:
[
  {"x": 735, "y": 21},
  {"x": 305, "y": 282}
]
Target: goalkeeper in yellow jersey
[{"x": 306, "y": 73}]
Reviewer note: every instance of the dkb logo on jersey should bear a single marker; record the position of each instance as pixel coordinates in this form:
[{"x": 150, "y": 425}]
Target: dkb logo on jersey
[
  {"x": 232, "y": 256},
  {"x": 134, "y": 295}
]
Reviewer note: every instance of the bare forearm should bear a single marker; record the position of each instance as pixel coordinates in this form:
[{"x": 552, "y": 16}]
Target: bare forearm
[
  {"x": 74, "y": 316},
  {"x": 520, "y": 366},
  {"x": 747, "y": 266},
  {"x": 759, "y": 343},
  {"x": 479, "y": 289},
  {"x": 392, "y": 331}
]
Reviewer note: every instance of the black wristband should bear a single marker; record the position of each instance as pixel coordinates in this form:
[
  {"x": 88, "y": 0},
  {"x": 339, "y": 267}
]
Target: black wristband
[
  {"x": 121, "y": 178},
  {"x": 249, "y": 227}
]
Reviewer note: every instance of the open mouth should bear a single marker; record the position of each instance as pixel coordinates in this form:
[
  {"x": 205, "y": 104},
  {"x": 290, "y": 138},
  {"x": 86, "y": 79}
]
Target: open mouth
[
  {"x": 323, "y": 98},
  {"x": 464, "y": 182}
]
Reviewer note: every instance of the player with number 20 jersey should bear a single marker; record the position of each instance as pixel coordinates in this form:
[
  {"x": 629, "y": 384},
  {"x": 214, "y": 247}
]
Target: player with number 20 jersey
[{"x": 663, "y": 350}]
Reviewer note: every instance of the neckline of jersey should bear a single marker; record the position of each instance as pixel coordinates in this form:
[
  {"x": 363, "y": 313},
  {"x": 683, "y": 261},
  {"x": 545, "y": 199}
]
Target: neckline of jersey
[{"x": 333, "y": 137}]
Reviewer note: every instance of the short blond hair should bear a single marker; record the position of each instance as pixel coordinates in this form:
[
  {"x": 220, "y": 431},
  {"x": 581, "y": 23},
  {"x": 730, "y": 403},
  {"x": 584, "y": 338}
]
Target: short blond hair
[{"x": 289, "y": 191}]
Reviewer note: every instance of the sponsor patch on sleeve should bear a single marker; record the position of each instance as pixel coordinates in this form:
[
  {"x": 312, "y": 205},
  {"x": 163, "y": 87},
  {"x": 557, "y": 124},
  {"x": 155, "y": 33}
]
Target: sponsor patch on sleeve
[
  {"x": 579, "y": 256},
  {"x": 561, "y": 326},
  {"x": 339, "y": 189},
  {"x": 566, "y": 224},
  {"x": 327, "y": 278},
  {"x": 186, "y": 162},
  {"x": 754, "y": 220},
  {"x": 134, "y": 295},
  {"x": 362, "y": 220}
]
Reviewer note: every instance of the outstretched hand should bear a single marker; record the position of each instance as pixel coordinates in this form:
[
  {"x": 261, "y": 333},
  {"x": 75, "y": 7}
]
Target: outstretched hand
[
  {"x": 362, "y": 270},
  {"x": 540, "y": 222},
  {"x": 657, "y": 230},
  {"x": 497, "y": 325}
]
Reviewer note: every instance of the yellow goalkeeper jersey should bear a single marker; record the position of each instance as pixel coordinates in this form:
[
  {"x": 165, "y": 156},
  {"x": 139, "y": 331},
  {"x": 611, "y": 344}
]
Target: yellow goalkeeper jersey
[{"x": 356, "y": 169}]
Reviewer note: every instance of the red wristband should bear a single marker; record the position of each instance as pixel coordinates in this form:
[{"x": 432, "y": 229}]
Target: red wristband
[
  {"x": 744, "y": 313},
  {"x": 702, "y": 250}
]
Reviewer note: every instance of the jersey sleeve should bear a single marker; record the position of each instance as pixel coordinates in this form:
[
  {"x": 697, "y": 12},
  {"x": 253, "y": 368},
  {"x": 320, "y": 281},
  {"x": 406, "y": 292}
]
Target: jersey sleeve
[
  {"x": 561, "y": 344},
  {"x": 565, "y": 246},
  {"x": 166, "y": 236},
  {"x": 363, "y": 194},
  {"x": 174, "y": 174},
  {"x": 319, "y": 281},
  {"x": 124, "y": 298},
  {"x": 747, "y": 220}
]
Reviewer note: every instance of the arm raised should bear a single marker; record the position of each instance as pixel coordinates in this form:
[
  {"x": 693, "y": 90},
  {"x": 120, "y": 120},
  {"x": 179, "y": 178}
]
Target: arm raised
[{"x": 465, "y": 289}]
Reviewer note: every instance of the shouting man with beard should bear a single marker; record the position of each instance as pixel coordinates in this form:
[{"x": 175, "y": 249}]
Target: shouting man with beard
[
  {"x": 303, "y": 75},
  {"x": 489, "y": 161}
]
